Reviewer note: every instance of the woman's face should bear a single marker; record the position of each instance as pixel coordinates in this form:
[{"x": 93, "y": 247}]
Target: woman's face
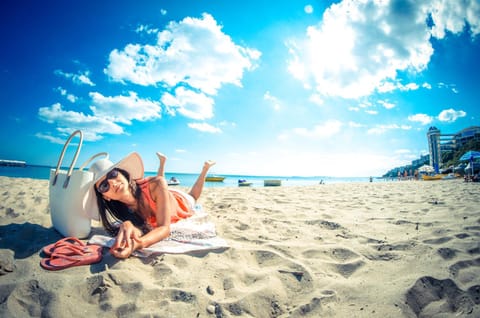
[{"x": 113, "y": 186}]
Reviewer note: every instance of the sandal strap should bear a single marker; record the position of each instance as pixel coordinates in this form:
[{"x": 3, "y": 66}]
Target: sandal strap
[
  {"x": 68, "y": 240},
  {"x": 65, "y": 256},
  {"x": 70, "y": 251}
]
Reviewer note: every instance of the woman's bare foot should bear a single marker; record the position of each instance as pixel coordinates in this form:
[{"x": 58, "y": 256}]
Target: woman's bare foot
[
  {"x": 208, "y": 164},
  {"x": 161, "y": 167},
  {"x": 198, "y": 185},
  {"x": 161, "y": 157}
]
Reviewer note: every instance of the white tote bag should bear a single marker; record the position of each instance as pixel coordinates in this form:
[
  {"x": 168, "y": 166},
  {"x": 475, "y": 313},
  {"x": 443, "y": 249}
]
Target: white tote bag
[{"x": 67, "y": 190}]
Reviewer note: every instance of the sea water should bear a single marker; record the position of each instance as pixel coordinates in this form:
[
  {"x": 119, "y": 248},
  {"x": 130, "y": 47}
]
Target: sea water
[{"x": 188, "y": 179}]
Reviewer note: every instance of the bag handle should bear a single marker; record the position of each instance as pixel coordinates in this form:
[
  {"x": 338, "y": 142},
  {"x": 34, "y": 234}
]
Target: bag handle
[
  {"x": 93, "y": 157},
  {"x": 74, "y": 160}
]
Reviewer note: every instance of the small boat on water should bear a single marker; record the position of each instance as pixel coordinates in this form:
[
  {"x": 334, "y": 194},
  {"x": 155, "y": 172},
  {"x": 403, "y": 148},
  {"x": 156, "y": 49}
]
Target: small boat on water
[
  {"x": 214, "y": 179},
  {"x": 173, "y": 181},
  {"x": 440, "y": 176},
  {"x": 434, "y": 177},
  {"x": 272, "y": 183},
  {"x": 12, "y": 163},
  {"x": 451, "y": 176},
  {"x": 244, "y": 183}
]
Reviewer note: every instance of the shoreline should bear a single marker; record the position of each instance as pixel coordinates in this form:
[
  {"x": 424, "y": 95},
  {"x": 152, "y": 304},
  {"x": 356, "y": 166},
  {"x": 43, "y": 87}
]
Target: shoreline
[
  {"x": 188, "y": 179},
  {"x": 381, "y": 249}
]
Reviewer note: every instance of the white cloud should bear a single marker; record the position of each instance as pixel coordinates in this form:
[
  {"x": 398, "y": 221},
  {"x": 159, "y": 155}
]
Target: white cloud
[
  {"x": 308, "y": 9},
  {"x": 274, "y": 100},
  {"x": 451, "y": 115},
  {"x": 359, "y": 47},
  {"x": 52, "y": 139},
  {"x": 424, "y": 119},
  {"x": 70, "y": 97},
  {"x": 124, "y": 109},
  {"x": 194, "y": 53},
  {"x": 386, "y": 104},
  {"x": 451, "y": 87},
  {"x": 410, "y": 87},
  {"x": 452, "y": 16},
  {"x": 204, "y": 127},
  {"x": 68, "y": 121},
  {"x": 107, "y": 115},
  {"x": 191, "y": 104},
  {"x": 145, "y": 29},
  {"x": 191, "y": 60},
  {"x": 427, "y": 85},
  {"x": 355, "y": 125},
  {"x": 316, "y": 99},
  {"x": 381, "y": 129},
  {"x": 81, "y": 78}
]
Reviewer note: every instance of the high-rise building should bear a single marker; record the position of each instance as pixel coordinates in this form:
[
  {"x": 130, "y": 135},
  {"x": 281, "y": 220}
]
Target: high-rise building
[
  {"x": 433, "y": 136},
  {"x": 438, "y": 142}
]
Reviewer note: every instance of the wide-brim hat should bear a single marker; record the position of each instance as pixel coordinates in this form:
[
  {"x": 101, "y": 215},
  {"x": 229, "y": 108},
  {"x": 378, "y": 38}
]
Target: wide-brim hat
[{"x": 132, "y": 163}]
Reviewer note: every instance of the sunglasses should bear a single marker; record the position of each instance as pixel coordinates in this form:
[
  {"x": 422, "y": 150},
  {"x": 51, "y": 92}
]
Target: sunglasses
[{"x": 104, "y": 186}]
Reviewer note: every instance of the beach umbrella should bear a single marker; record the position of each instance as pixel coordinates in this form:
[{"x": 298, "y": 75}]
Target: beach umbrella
[{"x": 470, "y": 156}]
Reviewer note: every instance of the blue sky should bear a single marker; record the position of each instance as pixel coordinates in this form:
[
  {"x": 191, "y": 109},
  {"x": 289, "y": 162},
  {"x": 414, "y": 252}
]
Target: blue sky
[{"x": 311, "y": 88}]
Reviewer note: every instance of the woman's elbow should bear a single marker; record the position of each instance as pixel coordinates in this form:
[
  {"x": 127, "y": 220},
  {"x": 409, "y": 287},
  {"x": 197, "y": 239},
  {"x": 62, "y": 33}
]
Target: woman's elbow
[
  {"x": 160, "y": 180},
  {"x": 167, "y": 231}
]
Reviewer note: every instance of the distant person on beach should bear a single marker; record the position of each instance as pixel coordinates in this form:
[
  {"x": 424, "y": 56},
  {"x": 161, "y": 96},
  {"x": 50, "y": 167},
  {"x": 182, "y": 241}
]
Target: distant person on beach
[{"x": 138, "y": 211}]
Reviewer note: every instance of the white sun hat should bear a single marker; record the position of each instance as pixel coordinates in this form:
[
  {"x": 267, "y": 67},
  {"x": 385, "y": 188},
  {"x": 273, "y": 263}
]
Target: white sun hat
[{"x": 132, "y": 163}]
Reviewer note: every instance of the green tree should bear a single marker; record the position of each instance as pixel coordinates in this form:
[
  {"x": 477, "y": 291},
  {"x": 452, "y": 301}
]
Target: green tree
[{"x": 453, "y": 157}]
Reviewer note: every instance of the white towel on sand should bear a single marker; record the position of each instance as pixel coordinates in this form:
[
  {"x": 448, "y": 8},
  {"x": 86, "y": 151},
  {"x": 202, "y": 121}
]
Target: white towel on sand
[{"x": 196, "y": 233}]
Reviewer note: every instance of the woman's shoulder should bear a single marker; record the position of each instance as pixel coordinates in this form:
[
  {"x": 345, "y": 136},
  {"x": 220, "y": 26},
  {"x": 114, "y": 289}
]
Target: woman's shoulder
[
  {"x": 152, "y": 183},
  {"x": 147, "y": 180}
]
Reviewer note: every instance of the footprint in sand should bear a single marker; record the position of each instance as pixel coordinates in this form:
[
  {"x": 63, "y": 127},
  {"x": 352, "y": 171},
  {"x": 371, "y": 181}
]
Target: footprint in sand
[
  {"x": 348, "y": 269},
  {"x": 462, "y": 235},
  {"x": 343, "y": 261},
  {"x": 325, "y": 224},
  {"x": 97, "y": 290},
  {"x": 430, "y": 297},
  {"x": 28, "y": 299},
  {"x": 437, "y": 241},
  {"x": 465, "y": 271},
  {"x": 386, "y": 252},
  {"x": 447, "y": 253},
  {"x": 7, "y": 264},
  {"x": 293, "y": 275}
]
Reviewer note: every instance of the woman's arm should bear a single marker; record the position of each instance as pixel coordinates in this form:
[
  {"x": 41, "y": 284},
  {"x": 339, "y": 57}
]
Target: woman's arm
[
  {"x": 163, "y": 200},
  {"x": 130, "y": 238}
]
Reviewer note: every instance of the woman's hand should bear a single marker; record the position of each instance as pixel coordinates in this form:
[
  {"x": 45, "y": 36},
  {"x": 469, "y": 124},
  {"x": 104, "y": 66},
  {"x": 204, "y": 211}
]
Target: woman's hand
[{"x": 127, "y": 241}]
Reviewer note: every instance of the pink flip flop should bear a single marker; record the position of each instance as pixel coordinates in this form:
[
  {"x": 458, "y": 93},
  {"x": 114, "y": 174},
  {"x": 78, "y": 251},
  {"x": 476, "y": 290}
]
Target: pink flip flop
[
  {"x": 58, "y": 261},
  {"x": 74, "y": 250},
  {"x": 69, "y": 244}
]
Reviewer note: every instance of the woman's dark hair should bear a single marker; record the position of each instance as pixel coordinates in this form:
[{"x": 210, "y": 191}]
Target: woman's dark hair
[{"x": 117, "y": 211}]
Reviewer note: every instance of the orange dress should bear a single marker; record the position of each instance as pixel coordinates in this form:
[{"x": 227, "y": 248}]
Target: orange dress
[{"x": 183, "y": 208}]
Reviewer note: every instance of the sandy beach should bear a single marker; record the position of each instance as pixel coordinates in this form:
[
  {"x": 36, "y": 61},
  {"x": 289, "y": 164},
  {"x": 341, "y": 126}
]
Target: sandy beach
[{"x": 382, "y": 249}]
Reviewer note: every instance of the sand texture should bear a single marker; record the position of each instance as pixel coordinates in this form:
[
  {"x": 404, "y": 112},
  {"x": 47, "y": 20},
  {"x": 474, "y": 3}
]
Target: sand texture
[{"x": 382, "y": 249}]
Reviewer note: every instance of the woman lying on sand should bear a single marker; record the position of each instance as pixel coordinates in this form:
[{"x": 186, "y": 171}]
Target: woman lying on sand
[{"x": 137, "y": 210}]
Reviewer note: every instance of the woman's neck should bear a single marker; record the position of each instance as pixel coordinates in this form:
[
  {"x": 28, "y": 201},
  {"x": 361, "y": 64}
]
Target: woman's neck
[{"x": 130, "y": 202}]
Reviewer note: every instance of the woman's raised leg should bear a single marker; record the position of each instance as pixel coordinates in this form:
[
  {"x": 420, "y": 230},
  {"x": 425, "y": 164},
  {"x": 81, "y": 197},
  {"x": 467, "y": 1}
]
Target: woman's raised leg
[
  {"x": 198, "y": 186},
  {"x": 161, "y": 167}
]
